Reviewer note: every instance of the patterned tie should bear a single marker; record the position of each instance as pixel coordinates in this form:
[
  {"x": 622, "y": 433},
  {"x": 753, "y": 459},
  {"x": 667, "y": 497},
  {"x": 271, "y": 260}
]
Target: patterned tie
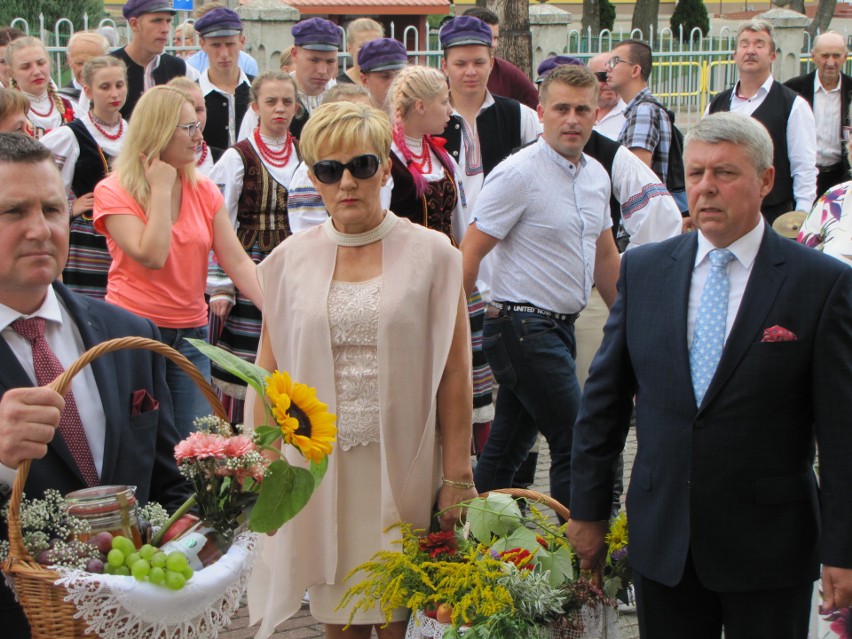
[
  {"x": 709, "y": 337},
  {"x": 47, "y": 368}
]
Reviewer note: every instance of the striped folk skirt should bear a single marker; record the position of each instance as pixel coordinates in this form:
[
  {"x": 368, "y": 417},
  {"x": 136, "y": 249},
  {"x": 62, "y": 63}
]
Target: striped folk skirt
[{"x": 88, "y": 259}]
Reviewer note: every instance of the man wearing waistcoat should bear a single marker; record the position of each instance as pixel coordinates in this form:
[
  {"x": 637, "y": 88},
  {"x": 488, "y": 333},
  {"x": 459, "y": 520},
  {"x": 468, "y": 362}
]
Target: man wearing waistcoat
[
  {"x": 226, "y": 88},
  {"x": 784, "y": 113},
  {"x": 150, "y": 22},
  {"x": 828, "y": 91}
]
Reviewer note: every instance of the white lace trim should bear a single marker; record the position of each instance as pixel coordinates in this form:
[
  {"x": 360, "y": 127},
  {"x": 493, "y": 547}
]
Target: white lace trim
[
  {"x": 600, "y": 622},
  {"x": 115, "y": 607},
  {"x": 353, "y": 313}
]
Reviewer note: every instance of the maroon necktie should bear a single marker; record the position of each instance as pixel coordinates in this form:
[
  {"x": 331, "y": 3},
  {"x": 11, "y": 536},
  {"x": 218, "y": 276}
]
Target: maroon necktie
[{"x": 47, "y": 368}]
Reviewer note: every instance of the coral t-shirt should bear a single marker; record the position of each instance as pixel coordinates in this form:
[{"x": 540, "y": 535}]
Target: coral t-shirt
[{"x": 173, "y": 296}]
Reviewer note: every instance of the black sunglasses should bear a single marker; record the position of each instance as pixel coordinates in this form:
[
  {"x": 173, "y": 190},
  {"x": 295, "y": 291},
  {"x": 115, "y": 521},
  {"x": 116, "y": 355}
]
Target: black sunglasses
[
  {"x": 362, "y": 167},
  {"x": 601, "y": 76}
]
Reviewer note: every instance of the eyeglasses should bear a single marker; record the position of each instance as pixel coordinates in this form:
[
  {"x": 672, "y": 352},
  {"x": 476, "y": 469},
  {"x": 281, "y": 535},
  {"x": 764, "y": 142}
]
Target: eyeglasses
[
  {"x": 601, "y": 76},
  {"x": 191, "y": 129},
  {"x": 362, "y": 167},
  {"x": 615, "y": 60}
]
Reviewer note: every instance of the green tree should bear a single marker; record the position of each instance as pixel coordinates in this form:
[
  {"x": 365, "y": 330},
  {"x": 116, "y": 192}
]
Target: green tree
[
  {"x": 53, "y": 10},
  {"x": 607, "y": 15},
  {"x": 690, "y": 14}
]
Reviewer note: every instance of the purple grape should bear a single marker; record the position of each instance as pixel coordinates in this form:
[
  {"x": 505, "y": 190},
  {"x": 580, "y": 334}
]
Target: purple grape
[
  {"x": 45, "y": 558},
  {"x": 95, "y": 565},
  {"x": 103, "y": 541}
]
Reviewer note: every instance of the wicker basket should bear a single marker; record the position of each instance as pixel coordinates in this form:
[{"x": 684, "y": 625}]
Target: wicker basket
[{"x": 49, "y": 615}]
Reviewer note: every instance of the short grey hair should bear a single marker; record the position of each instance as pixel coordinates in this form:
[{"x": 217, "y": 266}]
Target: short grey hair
[
  {"x": 19, "y": 148},
  {"x": 737, "y": 129},
  {"x": 758, "y": 25}
]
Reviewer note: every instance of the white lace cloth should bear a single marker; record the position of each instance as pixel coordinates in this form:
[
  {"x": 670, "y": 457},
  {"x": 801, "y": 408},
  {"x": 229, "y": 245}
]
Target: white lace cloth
[
  {"x": 117, "y": 607},
  {"x": 353, "y": 316},
  {"x": 598, "y": 623}
]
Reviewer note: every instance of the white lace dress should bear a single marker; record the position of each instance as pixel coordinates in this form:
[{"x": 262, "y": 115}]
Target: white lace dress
[{"x": 353, "y": 315}]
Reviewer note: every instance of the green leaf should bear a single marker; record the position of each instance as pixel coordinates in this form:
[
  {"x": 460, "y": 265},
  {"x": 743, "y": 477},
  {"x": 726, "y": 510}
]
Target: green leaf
[
  {"x": 267, "y": 435},
  {"x": 520, "y": 538},
  {"x": 494, "y": 516},
  {"x": 558, "y": 563},
  {"x": 612, "y": 586},
  {"x": 284, "y": 492},
  {"x": 318, "y": 470},
  {"x": 249, "y": 373}
]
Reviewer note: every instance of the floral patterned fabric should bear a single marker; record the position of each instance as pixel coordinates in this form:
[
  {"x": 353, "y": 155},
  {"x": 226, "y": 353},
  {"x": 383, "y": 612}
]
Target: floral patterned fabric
[{"x": 828, "y": 227}]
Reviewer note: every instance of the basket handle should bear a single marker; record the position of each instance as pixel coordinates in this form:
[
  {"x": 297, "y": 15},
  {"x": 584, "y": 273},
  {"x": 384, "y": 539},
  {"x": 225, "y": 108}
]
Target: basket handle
[
  {"x": 533, "y": 495},
  {"x": 17, "y": 549}
]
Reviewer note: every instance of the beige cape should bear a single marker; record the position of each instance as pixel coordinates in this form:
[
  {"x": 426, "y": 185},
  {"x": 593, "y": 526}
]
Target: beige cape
[{"x": 421, "y": 289}]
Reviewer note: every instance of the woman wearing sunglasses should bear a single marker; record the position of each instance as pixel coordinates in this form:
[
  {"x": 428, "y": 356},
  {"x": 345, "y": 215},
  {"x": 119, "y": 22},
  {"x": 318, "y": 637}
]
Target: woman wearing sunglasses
[
  {"x": 369, "y": 309},
  {"x": 161, "y": 220}
]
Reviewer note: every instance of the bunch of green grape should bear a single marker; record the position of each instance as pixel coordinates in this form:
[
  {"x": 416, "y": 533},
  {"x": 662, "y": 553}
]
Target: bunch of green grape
[{"x": 148, "y": 564}]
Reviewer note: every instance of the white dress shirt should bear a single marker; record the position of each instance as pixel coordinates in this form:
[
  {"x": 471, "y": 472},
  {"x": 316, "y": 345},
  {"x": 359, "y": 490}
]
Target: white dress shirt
[
  {"x": 739, "y": 270},
  {"x": 827, "y": 117},
  {"x": 64, "y": 338},
  {"x": 611, "y": 124},
  {"x": 801, "y": 141}
]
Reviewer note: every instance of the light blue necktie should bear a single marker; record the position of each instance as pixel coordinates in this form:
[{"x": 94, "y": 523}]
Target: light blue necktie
[{"x": 709, "y": 335}]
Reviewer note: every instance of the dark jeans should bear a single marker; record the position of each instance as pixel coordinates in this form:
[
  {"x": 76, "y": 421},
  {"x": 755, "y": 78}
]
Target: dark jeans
[{"x": 532, "y": 358}]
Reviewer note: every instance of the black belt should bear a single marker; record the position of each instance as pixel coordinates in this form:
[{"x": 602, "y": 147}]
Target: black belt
[
  {"x": 830, "y": 169},
  {"x": 515, "y": 307}
]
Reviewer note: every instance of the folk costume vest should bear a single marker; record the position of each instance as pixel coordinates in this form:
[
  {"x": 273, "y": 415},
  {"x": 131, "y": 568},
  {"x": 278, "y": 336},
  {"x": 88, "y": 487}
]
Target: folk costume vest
[{"x": 501, "y": 123}]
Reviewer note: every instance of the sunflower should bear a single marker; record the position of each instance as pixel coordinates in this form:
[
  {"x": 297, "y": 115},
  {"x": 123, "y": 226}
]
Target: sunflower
[{"x": 304, "y": 420}]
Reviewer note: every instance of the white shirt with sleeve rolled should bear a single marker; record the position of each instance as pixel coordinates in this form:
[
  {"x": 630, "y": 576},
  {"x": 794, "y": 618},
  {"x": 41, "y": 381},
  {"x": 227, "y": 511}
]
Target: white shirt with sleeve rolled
[
  {"x": 547, "y": 214},
  {"x": 801, "y": 141},
  {"x": 64, "y": 338}
]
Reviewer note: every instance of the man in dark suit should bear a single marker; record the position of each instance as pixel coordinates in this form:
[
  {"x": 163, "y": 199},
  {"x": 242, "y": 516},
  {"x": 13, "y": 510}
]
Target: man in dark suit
[
  {"x": 737, "y": 370},
  {"x": 122, "y": 398},
  {"x": 828, "y": 91}
]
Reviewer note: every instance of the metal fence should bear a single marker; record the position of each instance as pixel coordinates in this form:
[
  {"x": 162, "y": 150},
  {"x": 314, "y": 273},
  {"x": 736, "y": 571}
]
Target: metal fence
[{"x": 689, "y": 68}]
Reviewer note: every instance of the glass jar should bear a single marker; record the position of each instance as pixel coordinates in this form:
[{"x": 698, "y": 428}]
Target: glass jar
[{"x": 106, "y": 508}]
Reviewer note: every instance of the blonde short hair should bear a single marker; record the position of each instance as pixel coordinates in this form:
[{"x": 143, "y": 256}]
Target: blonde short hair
[
  {"x": 184, "y": 84},
  {"x": 155, "y": 120},
  {"x": 364, "y": 25},
  {"x": 344, "y": 125},
  {"x": 414, "y": 83}
]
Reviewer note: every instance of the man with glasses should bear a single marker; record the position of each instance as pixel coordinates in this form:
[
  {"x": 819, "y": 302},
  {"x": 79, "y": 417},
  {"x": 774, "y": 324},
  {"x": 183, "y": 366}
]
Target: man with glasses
[
  {"x": 610, "y": 105},
  {"x": 783, "y": 112},
  {"x": 647, "y": 131}
]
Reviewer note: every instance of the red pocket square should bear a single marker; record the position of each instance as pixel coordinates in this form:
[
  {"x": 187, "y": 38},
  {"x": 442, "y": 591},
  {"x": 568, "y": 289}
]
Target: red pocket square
[
  {"x": 778, "y": 334},
  {"x": 141, "y": 401}
]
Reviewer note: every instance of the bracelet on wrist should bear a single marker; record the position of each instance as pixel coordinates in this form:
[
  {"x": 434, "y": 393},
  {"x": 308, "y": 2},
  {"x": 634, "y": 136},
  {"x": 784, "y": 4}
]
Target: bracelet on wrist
[{"x": 458, "y": 484}]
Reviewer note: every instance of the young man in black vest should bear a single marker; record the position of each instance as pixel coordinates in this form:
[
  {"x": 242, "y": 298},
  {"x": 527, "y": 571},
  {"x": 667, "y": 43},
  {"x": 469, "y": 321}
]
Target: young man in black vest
[
  {"x": 226, "y": 88},
  {"x": 786, "y": 116},
  {"x": 484, "y": 128},
  {"x": 150, "y": 22},
  {"x": 828, "y": 91}
]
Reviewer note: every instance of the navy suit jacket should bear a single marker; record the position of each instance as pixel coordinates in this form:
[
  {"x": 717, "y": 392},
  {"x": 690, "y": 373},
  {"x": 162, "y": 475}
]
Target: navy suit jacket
[
  {"x": 731, "y": 480},
  {"x": 139, "y": 449}
]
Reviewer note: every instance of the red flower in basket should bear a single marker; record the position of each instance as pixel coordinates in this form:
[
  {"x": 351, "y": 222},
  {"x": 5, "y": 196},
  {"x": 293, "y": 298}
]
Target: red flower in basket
[
  {"x": 521, "y": 557},
  {"x": 439, "y": 543}
]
